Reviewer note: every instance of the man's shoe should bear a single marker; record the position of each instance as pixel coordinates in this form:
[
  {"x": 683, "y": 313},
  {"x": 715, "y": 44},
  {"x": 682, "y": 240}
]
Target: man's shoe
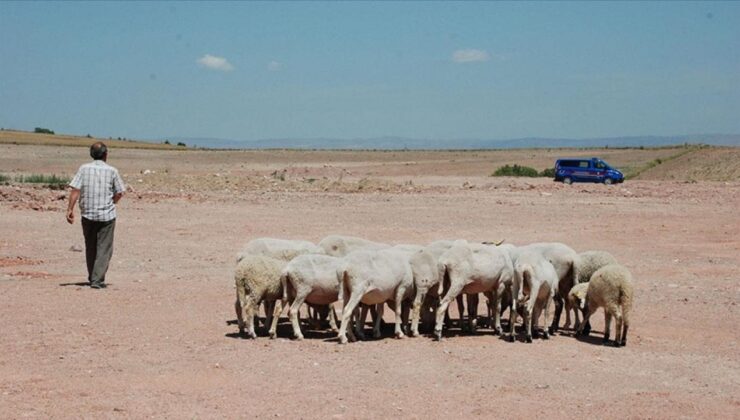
[{"x": 98, "y": 286}]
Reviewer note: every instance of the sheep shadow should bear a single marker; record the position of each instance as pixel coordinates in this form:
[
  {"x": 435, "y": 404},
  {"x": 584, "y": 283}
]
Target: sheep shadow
[
  {"x": 284, "y": 330},
  {"x": 79, "y": 283},
  {"x": 594, "y": 339}
]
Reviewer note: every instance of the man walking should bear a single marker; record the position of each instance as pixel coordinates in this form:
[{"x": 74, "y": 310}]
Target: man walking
[{"x": 98, "y": 187}]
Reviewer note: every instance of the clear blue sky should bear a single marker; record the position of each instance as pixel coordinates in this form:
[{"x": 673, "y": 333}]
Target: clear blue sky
[{"x": 348, "y": 70}]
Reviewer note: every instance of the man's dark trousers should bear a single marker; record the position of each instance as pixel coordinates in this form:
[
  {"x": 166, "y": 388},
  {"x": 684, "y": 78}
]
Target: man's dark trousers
[{"x": 98, "y": 248}]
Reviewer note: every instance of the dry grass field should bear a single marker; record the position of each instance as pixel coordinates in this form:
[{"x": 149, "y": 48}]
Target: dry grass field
[{"x": 158, "y": 342}]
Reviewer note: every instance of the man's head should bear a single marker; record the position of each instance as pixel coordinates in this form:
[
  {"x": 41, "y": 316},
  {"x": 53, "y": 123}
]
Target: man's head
[{"x": 98, "y": 151}]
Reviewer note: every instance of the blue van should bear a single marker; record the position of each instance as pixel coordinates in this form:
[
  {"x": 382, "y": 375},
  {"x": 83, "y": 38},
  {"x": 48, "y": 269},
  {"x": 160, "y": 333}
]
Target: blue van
[{"x": 586, "y": 170}]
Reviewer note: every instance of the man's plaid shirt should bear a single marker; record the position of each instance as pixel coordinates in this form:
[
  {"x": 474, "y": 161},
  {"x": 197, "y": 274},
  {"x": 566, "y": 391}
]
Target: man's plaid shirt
[{"x": 97, "y": 182}]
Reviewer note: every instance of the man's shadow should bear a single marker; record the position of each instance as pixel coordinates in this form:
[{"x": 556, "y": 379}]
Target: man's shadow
[{"x": 75, "y": 284}]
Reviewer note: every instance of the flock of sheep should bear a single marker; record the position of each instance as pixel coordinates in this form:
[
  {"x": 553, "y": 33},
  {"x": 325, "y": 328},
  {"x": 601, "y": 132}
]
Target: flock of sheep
[{"x": 423, "y": 280}]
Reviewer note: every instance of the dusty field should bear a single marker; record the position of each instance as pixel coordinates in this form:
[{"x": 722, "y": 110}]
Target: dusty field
[{"x": 157, "y": 343}]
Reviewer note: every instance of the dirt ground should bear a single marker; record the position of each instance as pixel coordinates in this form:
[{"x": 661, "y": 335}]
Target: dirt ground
[{"x": 157, "y": 342}]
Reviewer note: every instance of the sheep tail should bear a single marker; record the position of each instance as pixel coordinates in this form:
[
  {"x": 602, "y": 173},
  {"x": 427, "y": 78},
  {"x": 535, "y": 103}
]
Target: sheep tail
[
  {"x": 445, "y": 277},
  {"x": 343, "y": 278},
  {"x": 284, "y": 282}
]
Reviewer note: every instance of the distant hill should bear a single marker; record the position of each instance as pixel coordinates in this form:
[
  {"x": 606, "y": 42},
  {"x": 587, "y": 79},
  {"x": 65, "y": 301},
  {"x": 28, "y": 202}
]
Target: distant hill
[{"x": 400, "y": 143}]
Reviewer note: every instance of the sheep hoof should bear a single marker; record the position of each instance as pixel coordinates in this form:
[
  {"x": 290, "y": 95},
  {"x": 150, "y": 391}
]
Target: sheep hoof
[
  {"x": 529, "y": 339},
  {"x": 510, "y": 339},
  {"x": 342, "y": 340},
  {"x": 498, "y": 331},
  {"x": 437, "y": 335},
  {"x": 298, "y": 337},
  {"x": 272, "y": 336},
  {"x": 400, "y": 335},
  {"x": 552, "y": 330},
  {"x": 546, "y": 336}
]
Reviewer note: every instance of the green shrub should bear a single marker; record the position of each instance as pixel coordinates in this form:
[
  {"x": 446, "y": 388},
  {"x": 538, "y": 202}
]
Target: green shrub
[
  {"x": 548, "y": 172},
  {"x": 42, "y": 179},
  {"x": 516, "y": 170},
  {"x": 4, "y": 178},
  {"x": 43, "y": 130},
  {"x": 179, "y": 143}
]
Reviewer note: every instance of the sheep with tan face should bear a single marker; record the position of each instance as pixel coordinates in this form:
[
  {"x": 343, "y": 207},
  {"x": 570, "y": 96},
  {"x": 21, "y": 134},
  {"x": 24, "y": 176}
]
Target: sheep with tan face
[{"x": 610, "y": 288}]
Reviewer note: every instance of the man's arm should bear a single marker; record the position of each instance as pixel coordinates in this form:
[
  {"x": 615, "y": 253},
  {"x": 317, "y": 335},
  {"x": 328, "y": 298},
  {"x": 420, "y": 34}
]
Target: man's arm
[
  {"x": 74, "y": 195},
  {"x": 119, "y": 187}
]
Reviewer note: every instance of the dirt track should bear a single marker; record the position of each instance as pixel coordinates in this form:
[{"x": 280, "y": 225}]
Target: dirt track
[{"x": 157, "y": 343}]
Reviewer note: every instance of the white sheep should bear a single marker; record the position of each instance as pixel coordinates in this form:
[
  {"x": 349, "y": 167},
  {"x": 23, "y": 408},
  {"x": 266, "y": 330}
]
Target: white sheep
[
  {"x": 471, "y": 269},
  {"x": 340, "y": 245},
  {"x": 427, "y": 277},
  {"x": 565, "y": 261},
  {"x": 374, "y": 277},
  {"x": 535, "y": 284},
  {"x": 610, "y": 288},
  {"x": 311, "y": 279},
  {"x": 257, "y": 279},
  {"x": 281, "y": 249}
]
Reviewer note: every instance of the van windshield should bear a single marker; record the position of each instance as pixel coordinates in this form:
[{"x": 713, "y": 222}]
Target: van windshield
[{"x": 600, "y": 164}]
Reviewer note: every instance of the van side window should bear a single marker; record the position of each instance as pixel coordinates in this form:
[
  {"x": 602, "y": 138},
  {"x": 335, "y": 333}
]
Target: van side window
[{"x": 583, "y": 164}]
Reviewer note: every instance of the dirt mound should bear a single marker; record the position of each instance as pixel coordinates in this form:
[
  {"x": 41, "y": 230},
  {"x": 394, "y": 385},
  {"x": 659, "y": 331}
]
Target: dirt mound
[{"x": 33, "y": 198}]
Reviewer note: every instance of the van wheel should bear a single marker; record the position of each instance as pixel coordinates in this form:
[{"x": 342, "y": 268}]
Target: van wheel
[
  {"x": 567, "y": 180},
  {"x": 608, "y": 181}
]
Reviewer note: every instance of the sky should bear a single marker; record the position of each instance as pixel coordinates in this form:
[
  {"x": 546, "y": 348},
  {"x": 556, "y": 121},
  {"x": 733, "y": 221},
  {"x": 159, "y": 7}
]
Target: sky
[{"x": 423, "y": 70}]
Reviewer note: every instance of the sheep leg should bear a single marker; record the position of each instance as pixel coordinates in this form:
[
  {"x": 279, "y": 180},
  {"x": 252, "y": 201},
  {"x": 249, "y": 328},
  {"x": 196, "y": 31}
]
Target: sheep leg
[
  {"x": 239, "y": 316},
  {"x": 460, "y": 312},
  {"x": 513, "y": 311},
  {"x": 534, "y": 293},
  {"x": 625, "y": 327},
  {"x": 332, "y": 319},
  {"x": 405, "y": 310},
  {"x": 545, "y": 333},
  {"x": 577, "y": 325},
  {"x": 400, "y": 292},
  {"x": 618, "y": 328},
  {"x": 295, "y": 311},
  {"x": 277, "y": 311},
  {"x": 536, "y": 312},
  {"x": 416, "y": 311},
  {"x": 567, "y": 315},
  {"x": 473, "y": 300},
  {"x": 379, "y": 308},
  {"x": 497, "y": 296},
  {"x": 452, "y": 293},
  {"x": 359, "y": 321},
  {"x": 349, "y": 308},
  {"x": 585, "y": 327},
  {"x": 607, "y": 325},
  {"x": 558, "y": 311},
  {"x": 249, "y": 307},
  {"x": 490, "y": 307},
  {"x": 527, "y": 320},
  {"x": 269, "y": 308}
]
